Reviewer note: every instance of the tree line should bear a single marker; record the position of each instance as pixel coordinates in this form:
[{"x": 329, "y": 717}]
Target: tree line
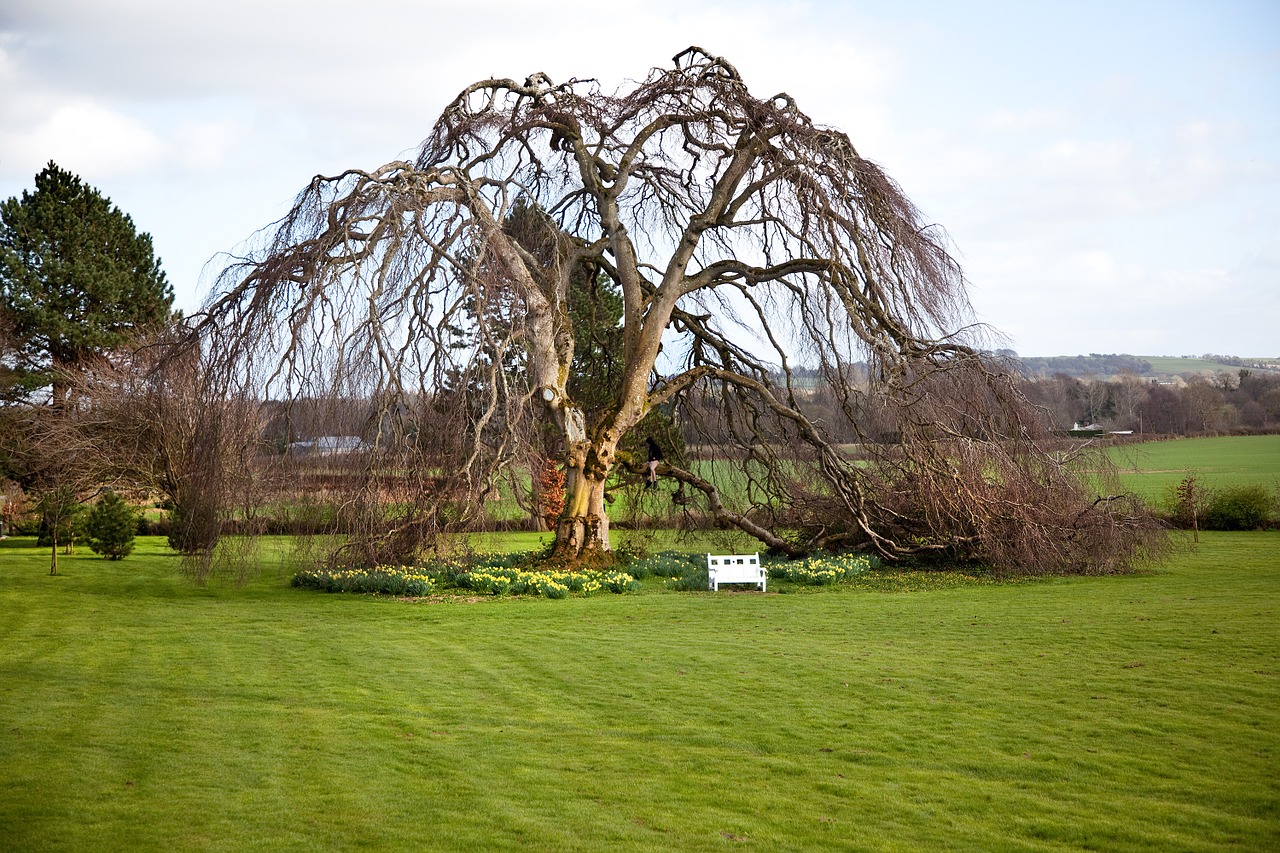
[
  {"x": 1093, "y": 364},
  {"x": 1244, "y": 402}
]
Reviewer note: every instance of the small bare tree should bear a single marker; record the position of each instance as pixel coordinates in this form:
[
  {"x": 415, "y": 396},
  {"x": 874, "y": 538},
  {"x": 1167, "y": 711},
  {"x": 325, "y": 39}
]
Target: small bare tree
[
  {"x": 739, "y": 233},
  {"x": 1190, "y": 499},
  {"x": 59, "y": 478}
]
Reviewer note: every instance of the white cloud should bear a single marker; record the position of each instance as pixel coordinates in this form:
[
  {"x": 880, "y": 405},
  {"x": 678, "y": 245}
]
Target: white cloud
[
  {"x": 206, "y": 147},
  {"x": 84, "y": 137}
]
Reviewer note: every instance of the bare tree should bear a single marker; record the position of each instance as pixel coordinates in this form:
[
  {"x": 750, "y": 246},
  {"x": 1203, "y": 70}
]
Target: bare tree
[
  {"x": 152, "y": 418},
  {"x": 741, "y": 235},
  {"x": 1130, "y": 391},
  {"x": 58, "y": 477},
  {"x": 1203, "y": 402}
]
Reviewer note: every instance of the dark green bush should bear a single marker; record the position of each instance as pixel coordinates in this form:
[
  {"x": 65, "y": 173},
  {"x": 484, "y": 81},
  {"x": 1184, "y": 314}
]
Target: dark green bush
[
  {"x": 194, "y": 526},
  {"x": 61, "y": 506},
  {"x": 70, "y": 529},
  {"x": 1246, "y": 507},
  {"x": 1185, "y": 502},
  {"x": 111, "y": 526}
]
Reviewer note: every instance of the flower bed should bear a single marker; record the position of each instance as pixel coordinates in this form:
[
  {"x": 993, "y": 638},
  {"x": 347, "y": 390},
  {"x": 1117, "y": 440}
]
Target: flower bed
[
  {"x": 389, "y": 580},
  {"x": 554, "y": 584},
  {"x": 489, "y": 576},
  {"x": 500, "y": 574},
  {"x": 821, "y": 569}
]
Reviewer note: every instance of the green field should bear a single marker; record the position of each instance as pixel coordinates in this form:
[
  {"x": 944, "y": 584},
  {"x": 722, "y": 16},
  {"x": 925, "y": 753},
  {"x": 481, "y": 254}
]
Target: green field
[
  {"x": 1173, "y": 365},
  {"x": 1152, "y": 467},
  {"x": 1139, "y": 712}
]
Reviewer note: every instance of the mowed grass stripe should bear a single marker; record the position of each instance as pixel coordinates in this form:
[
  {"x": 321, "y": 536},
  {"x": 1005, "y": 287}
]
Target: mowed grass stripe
[{"x": 1124, "y": 713}]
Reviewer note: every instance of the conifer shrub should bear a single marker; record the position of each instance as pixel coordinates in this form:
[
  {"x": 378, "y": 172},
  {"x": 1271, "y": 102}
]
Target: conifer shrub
[
  {"x": 111, "y": 526},
  {"x": 193, "y": 527}
]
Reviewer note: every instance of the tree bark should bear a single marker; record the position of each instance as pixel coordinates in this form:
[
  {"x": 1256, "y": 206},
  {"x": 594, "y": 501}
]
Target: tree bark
[{"x": 583, "y": 528}]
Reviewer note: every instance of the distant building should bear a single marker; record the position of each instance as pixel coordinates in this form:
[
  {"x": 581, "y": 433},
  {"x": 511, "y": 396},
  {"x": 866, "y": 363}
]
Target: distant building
[
  {"x": 1086, "y": 430},
  {"x": 329, "y": 445},
  {"x": 1079, "y": 430}
]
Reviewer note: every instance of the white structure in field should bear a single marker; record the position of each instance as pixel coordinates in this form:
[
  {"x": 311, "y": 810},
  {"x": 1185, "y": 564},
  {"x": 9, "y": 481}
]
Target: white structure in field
[
  {"x": 735, "y": 568},
  {"x": 329, "y": 445}
]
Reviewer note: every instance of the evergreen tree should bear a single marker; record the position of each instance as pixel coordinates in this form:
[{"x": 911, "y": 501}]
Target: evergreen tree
[
  {"x": 77, "y": 280},
  {"x": 111, "y": 526}
]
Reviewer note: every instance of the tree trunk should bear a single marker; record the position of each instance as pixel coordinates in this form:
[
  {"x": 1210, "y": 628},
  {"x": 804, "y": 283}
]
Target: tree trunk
[
  {"x": 53, "y": 553},
  {"x": 582, "y": 531},
  {"x": 583, "y": 528}
]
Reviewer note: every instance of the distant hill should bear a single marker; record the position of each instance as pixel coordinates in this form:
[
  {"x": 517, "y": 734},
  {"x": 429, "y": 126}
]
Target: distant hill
[
  {"x": 1094, "y": 366},
  {"x": 1100, "y": 366},
  {"x": 1185, "y": 364}
]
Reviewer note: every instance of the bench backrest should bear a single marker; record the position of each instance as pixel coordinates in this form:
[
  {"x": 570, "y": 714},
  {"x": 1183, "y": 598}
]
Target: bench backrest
[{"x": 725, "y": 566}]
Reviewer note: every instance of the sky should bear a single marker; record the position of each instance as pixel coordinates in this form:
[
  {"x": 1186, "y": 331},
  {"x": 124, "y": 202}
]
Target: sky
[{"x": 1109, "y": 172}]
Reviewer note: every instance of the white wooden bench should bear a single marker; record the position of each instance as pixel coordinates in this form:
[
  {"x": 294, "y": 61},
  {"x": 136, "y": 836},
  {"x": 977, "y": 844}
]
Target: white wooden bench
[{"x": 735, "y": 568}]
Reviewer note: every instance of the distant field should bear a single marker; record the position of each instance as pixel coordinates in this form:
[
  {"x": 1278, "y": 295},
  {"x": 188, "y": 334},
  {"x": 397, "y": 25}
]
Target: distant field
[
  {"x": 643, "y": 539},
  {"x": 1109, "y": 366},
  {"x": 636, "y": 506},
  {"x": 1134, "y": 713},
  {"x": 1151, "y": 467},
  {"x": 1147, "y": 468},
  {"x": 1172, "y": 365}
]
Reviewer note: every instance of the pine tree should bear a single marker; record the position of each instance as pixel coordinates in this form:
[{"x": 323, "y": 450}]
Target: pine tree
[
  {"x": 111, "y": 526},
  {"x": 77, "y": 280}
]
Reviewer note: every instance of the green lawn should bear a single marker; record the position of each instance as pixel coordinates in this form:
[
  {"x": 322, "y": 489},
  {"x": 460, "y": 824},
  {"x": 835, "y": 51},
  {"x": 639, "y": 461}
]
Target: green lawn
[
  {"x": 1128, "y": 713},
  {"x": 1150, "y": 468}
]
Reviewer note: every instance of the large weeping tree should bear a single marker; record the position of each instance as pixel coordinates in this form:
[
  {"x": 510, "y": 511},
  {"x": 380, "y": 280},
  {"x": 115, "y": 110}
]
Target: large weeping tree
[{"x": 743, "y": 238}]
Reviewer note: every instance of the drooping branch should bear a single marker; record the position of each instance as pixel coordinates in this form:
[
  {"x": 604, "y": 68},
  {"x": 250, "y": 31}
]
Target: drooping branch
[{"x": 726, "y": 517}]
